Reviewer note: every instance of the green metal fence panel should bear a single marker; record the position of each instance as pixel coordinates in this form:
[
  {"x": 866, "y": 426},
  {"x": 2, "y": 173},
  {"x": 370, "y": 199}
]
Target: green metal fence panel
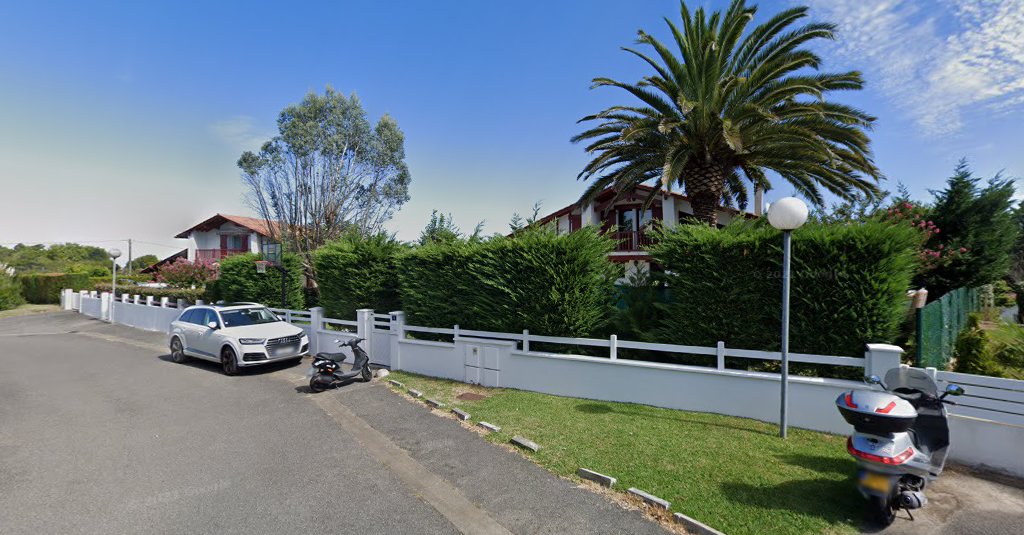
[{"x": 940, "y": 323}]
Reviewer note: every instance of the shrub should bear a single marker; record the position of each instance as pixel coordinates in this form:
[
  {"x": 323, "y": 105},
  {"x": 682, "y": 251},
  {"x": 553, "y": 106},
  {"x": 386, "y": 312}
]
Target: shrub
[
  {"x": 45, "y": 288},
  {"x": 188, "y": 294},
  {"x": 10, "y": 290},
  {"x": 549, "y": 284},
  {"x": 848, "y": 286},
  {"x": 185, "y": 274},
  {"x": 239, "y": 281},
  {"x": 972, "y": 351},
  {"x": 358, "y": 272}
]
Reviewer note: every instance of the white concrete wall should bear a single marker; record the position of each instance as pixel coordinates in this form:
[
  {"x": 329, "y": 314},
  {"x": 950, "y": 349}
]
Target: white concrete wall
[
  {"x": 436, "y": 359},
  {"x": 91, "y": 306},
  {"x": 150, "y": 318}
]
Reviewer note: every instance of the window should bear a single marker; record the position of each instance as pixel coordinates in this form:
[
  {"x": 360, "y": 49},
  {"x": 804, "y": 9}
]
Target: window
[
  {"x": 209, "y": 316},
  {"x": 627, "y": 220},
  {"x": 645, "y": 218},
  {"x": 187, "y": 316},
  {"x": 247, "y": 316}
]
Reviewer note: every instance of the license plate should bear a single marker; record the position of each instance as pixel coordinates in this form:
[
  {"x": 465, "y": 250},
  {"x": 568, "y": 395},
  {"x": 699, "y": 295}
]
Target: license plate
[
  {"x": 283, "y": 350},
  {"x": 875, "y": 482}
]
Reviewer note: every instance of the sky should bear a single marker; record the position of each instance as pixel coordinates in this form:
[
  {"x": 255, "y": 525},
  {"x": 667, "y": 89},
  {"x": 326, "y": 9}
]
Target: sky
[{"x": 125, "y": 120}]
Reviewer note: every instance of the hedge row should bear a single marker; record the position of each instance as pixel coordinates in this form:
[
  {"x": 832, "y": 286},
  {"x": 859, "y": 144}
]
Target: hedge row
[
  {"x": 188, "y": 294},
  {"x": 45, "y": 288},
  {"x": 239, "y": 281},
  {"x": 549, "y": 284},
  {"x": 848, "y": 286},
  {"x": 356, "y": 273},
  {"x": 10, "y": 292}
]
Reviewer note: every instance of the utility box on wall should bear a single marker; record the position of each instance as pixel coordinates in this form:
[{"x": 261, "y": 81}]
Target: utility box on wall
[{"x": 483, "y": 359}]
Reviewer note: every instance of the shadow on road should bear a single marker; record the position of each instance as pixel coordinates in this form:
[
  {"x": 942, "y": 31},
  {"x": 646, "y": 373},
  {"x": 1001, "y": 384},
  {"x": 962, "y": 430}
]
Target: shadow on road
[
  {"x": 242, "y": 371},
  {"x": 835, "y": 501}
]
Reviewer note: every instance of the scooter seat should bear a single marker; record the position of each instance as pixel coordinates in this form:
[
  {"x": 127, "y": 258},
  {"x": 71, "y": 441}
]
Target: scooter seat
[{"x": 338, "y": 357}]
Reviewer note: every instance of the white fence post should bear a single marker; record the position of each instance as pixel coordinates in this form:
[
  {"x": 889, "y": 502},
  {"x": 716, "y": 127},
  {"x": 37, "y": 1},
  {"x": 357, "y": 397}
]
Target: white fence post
[
  {"x": 105, "y": 304},
  {"x": 397, "y": 334},
  {"x": 526, "y": 340},
  {"x": 82, "y": 294},
  {"x": 613, "y": 346},
  {"x": 720, "y": 355},
  {"x": 880, "y": 358},
  {"x": 364, "y": 328},
  {"x": 69, "y": 300},
  {"x": 455, "y": 335},
  {"x": 137, "y": 299},
  {"x": 149, "y": 300},
  {"x": 316, "y": 324},
  {"x": 164, "y": 301},
  {"x": 199, "y": 302},
  {"x": 93, "y": 294},
  {"x": 181, "y": 304}
]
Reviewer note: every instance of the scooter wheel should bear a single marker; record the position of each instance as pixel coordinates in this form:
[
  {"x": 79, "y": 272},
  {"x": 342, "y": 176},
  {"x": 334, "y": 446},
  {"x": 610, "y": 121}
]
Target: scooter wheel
[
  {"x": 315, "y": 386},
  {"x": 882, "y": 509},
  {"x": 367, "y": 374}
]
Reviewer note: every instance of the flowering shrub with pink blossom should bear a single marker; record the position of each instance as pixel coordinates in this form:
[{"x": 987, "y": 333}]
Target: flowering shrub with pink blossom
[
  {"x": 917, "y": 216},
  {"x": 184, "y": 274}
]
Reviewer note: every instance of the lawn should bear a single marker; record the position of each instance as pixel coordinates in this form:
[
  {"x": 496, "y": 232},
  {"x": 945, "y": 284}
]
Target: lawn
[
  {"x": 27, "y": 309},
  {"x": 733, "y": 474}
]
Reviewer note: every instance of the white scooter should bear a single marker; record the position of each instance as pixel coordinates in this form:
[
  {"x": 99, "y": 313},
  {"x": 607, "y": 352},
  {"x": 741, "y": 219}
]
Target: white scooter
[{"x": 900, "y": 439}]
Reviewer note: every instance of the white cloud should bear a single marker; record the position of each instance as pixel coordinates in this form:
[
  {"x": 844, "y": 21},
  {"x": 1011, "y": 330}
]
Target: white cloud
[
  {"x": 934, "y": 59},
  {"x": 240, "y": 133}
]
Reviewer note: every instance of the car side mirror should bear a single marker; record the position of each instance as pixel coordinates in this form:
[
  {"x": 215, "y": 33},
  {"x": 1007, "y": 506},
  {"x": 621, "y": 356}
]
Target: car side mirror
[
  {"x": 872, "y": 379},
  {"x": 212, "y": 325},
  {"x": 954, "y": 390}
]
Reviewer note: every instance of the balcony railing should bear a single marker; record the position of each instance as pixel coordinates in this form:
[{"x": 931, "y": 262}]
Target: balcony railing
[
  {"x": 214, "y": 255},
  {"x": 631, "y": 240}
]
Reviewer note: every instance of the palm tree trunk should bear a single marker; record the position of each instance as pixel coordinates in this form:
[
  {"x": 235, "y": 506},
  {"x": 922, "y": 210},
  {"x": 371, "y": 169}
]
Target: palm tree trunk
[{"x": 704, "y": 182}]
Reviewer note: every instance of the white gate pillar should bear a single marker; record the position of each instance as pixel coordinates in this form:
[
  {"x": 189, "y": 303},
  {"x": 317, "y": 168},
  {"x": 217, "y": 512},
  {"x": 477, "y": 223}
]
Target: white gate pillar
[
  {"x": 880, "y": 358},
  {"x": 397, "y": 334}
]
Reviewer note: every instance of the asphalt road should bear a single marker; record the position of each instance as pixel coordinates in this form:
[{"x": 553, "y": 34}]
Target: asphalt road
[{"x": 101, "y": 433}]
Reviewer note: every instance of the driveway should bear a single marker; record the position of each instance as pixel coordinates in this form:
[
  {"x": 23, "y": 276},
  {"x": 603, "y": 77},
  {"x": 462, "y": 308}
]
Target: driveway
[{"x": 101, "y": 433}]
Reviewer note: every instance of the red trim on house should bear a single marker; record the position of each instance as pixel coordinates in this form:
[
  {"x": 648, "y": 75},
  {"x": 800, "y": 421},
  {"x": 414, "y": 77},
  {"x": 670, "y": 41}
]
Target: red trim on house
[{"x": 258, "y": 226}]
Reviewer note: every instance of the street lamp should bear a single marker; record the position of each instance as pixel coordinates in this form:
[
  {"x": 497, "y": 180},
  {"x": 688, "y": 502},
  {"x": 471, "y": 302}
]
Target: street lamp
[
  {"x": 787, "y": 215},
  {"x": 114, "y": 254}
]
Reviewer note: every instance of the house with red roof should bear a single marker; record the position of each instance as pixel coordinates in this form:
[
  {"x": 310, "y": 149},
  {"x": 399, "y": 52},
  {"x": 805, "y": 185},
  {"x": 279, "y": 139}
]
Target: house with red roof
[{"x": 224, "y": 235}]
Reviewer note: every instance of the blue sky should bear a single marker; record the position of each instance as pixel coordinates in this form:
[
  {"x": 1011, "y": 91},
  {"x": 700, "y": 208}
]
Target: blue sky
[{"x": 125, "y": 120}]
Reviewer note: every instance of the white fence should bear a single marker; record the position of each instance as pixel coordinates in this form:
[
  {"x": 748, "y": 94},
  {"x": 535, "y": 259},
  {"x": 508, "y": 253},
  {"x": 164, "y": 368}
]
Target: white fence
[{"x": 986, "y": 428}]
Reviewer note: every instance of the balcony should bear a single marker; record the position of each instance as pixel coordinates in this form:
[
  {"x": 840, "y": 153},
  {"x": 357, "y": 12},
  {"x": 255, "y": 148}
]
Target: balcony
[
  {"x": 632, "y": 240},
  {"x": 214, "y": 255}
]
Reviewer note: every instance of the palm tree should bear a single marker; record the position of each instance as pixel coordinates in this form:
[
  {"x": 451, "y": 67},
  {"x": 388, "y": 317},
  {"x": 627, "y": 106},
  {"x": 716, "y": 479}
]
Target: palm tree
[{"x": 732, "y": 106}]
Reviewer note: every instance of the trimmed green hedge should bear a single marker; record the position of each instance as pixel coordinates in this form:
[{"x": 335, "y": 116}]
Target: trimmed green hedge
[
  {"x": 188, "y": 294},
  {"x": 10, "y": 292},
  {"x": 355, "y": 273},
  {"x": 45, "y": 288},
  {"x": 239, "y": 281},
  {"x": 552, "y": 285},
  {"x": 849, "y": 284}
]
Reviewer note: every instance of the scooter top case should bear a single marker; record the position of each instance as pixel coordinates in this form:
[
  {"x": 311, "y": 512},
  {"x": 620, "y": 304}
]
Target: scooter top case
[{"x": 876, "y": 413}]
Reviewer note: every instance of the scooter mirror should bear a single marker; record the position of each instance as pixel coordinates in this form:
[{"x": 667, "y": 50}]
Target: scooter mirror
[
  {"x": 954, "y": 390},
  {"x": 872, "y": 379}
]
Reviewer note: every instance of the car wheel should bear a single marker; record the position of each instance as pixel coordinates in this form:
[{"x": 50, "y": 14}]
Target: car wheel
[
  {"x": 178, "y": 352},
  {"x": 228, "y": 361}
]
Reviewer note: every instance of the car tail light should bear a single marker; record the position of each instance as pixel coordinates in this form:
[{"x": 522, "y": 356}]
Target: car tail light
[
  {"x": 886, "y": 409},
  {"x": 899, "y": 459},
  {"x": 848, "y": 399}
]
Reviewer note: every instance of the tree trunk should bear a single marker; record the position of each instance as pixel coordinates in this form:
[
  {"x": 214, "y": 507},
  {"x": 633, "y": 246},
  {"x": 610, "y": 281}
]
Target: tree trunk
[{"x": 704, "y": 183}]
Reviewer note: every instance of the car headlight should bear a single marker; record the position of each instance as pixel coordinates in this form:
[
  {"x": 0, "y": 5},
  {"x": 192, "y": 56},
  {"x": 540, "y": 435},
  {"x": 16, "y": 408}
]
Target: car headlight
[{"x": 252, "y": 341}]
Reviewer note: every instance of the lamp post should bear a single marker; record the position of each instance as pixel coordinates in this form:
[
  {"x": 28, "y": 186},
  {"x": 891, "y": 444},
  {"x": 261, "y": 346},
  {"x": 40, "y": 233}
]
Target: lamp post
[
  {"x": 786, "y": 214},
  {"x": 114, "y": 254}
]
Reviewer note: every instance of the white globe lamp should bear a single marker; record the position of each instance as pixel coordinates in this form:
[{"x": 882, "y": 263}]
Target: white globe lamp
[{"x": 788, "y": 213}]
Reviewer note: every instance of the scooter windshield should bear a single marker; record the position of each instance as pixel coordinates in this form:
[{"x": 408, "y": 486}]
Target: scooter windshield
[{"x": 913, "y": 378}]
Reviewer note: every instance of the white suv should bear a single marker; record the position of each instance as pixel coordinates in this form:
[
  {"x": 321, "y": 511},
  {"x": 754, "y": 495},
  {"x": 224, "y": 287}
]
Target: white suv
[{"x": 235, "y": 335}]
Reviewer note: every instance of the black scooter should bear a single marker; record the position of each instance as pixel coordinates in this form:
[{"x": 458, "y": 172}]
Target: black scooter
[{"x": 324, "y": 373}]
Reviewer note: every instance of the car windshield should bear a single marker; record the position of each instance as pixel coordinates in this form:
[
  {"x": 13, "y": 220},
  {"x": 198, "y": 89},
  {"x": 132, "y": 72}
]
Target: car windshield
[{"x": 247, "y": 316}]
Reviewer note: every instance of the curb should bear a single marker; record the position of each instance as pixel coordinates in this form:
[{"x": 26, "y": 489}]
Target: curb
[
  {"x": 434, "y": 403},
  {"x": 650, "y": 499},
  {"x": 525, "y": 443},
  {"x": 490, "y": 427},
  {"x": 694, "y": 526},
  {"x": 460, "y": 414},
  {"x": 396, "y": 383},
  {"x": 600, "y": 479},
  {"x": 415, "y": 393}
]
